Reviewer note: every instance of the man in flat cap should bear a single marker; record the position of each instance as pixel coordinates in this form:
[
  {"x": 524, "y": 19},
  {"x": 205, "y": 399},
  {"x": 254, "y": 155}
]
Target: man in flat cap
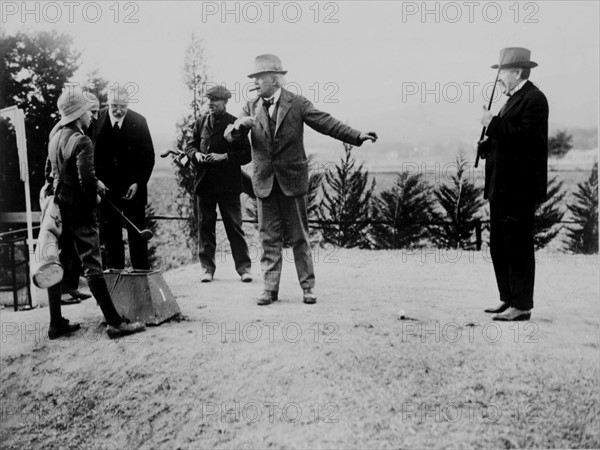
[
  {"x": 124, "y": 158},
  {"x": 516, "y": 175},
  {"x": 218, "y": 181},
  {"x": 275, "y": 121}
]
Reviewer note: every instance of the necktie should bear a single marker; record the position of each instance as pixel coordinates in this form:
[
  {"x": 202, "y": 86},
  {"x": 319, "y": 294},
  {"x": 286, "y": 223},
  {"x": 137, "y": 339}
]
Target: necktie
[
  {"x": 501, "y": 112},
  {"x": 272, "y": 119},
  {"x": 116, "y": 128},
  {"x": 267, "y": 104}
]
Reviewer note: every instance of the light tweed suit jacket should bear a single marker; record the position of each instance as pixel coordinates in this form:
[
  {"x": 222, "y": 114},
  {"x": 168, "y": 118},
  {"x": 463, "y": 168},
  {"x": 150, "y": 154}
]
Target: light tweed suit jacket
[{"x": 283, "y": 155}]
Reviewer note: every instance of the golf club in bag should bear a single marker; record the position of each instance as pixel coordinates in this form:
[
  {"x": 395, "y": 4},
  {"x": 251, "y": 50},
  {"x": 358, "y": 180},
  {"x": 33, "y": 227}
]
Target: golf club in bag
[{"x": 178, "y": 156}]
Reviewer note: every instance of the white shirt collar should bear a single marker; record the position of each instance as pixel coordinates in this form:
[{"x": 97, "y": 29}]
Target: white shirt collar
[
  {"x": 114, "y": 120},
  {"x": 275, "y": 97},
  {"x": 516, "y": 88}
]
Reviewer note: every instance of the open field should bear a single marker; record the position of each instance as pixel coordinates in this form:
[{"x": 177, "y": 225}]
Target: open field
[{"x": 345, "y": 373}]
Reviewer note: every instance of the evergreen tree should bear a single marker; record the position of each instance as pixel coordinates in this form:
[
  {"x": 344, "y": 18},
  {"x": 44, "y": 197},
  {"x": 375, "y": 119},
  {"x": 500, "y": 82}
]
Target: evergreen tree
[
  {"x": 195, "y": 78},
  {"x": 401, "y": 215},
  {"x": 548, "y": 215},
  {"x": 344, "y": 211},
  {"x": 583, "y": 238},
  {"x": 461, "y": 202},
  {"x": 559, "y": 144}
]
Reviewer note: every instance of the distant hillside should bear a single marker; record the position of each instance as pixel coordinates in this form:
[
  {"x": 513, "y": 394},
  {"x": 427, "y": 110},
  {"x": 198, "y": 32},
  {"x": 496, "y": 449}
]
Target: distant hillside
[{"x": 393, "y": 151}]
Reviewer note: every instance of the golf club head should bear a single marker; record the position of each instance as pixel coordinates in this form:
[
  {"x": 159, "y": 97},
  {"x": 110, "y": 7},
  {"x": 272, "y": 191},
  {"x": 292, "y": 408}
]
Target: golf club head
[
  {"x": 146, "y": 235},
  {"x": 169, "y": 151}
]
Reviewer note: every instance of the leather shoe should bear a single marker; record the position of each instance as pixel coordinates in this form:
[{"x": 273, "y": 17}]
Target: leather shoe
[
  {"x": 124, "y": 329},
  {"x": 67, "y": 299},
  {"x": 266, "y": 298},
  {"x": 503, "y": 306},
  {"x": 246, "y": 277},
  {"x": 207, "y": 277},
  {"x": 76, "y": 293},
  {"x": 309, "y": 296},
  {"x": 64, "y": 327},
  {"x": 513, "y": 314}
]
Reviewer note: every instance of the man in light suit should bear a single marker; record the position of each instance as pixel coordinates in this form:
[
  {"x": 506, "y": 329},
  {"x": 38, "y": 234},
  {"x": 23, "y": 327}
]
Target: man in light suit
[
  {"x": 516, "y": 175},
  {"x": 276, "y": 121},
  {"x": 124, "y": 159}
]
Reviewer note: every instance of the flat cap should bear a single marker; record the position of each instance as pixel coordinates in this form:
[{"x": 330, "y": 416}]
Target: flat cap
[{"x": 218, "y": 93}]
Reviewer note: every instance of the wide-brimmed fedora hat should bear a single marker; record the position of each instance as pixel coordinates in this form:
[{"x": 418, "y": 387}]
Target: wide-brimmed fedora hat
[
  {"x": 267, "y": 64},
  {"x": 72, "y": 103},
  {"x": 515, "y": 57}
]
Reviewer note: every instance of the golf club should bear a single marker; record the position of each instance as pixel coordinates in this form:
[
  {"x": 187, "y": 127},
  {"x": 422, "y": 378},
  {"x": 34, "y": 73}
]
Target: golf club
[
  {"x": 489, "y": 106},
  {"x": 144, "y": 234}
]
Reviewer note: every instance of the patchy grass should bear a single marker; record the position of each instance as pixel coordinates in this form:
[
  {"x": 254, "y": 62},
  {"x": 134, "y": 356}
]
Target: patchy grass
[{"x": 344, "y": 373}]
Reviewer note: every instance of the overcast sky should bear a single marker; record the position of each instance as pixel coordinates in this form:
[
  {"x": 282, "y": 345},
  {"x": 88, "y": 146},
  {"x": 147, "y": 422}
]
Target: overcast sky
[{"x": 414, "y": 72}]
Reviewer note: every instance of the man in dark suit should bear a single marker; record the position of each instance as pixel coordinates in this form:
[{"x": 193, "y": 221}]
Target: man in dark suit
[
  {"x": 276, "y": 121},
  {"x": 218, "y": 181},
  {"x": 124, "y": 159},
  {"x": 516, "y": 175}
]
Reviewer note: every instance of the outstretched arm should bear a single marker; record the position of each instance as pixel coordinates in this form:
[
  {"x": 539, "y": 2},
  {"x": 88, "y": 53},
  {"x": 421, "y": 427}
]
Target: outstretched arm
[{"x": 324, "y": 123}]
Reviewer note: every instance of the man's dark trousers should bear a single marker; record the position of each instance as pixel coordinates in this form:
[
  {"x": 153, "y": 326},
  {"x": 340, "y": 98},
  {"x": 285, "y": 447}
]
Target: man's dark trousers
[
  {"x": 112, "y": 230},
  {"x": 512, "y": 250},
  {"x": 231, "y": 213}
]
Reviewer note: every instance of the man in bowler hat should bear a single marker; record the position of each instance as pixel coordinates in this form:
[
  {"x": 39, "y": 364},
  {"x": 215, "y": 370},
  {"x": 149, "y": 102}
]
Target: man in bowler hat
[
  {"x": 516, "y": 173},
  {"x": 218, "y": 181},
  {"x": 275, "y": 121}
]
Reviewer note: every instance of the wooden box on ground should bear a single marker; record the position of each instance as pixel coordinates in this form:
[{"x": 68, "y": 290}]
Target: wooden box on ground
[{"x": 142, "y": 295}]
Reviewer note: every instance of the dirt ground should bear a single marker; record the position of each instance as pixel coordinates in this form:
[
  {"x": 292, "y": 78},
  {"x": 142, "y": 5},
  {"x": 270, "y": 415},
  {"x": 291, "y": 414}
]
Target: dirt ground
[{"x": 344, "y": 373}]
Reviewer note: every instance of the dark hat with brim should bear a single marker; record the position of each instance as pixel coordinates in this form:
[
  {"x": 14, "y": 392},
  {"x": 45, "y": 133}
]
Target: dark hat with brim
[
  {"x": 218, "y": 93},
  {"x": 267, "y": 64},
  {"x": 515, "y": 58}
]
